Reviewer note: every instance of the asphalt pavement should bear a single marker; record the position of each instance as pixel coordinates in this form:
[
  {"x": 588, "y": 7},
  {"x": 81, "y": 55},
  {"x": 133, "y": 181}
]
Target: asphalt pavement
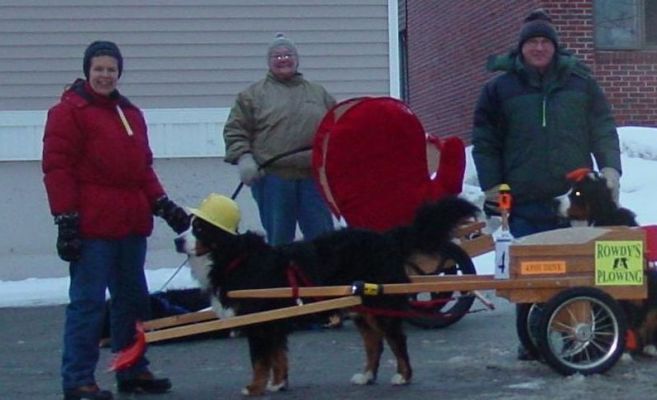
[{"x": 473, "y": 359}]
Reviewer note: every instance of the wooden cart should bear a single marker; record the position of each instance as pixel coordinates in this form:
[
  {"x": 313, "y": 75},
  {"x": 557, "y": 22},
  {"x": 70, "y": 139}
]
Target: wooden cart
[{"x": 573, "y": 319}]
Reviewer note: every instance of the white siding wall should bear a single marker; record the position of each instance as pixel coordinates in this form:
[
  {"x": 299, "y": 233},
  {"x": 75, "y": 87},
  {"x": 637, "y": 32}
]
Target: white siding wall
[
  {"x": 185, "y": 60},
  {"x": 190, "y": 53}
]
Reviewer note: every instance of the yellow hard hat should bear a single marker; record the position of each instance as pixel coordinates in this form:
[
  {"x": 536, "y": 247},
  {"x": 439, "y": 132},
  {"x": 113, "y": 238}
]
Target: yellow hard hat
[{"x": 220, "y": 211}]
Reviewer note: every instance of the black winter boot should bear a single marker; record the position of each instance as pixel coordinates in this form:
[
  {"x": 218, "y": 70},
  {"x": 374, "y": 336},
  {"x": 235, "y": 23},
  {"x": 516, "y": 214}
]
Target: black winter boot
[
  {"x": 144, "y": 383},
  {"x": 87, "y": 392}
]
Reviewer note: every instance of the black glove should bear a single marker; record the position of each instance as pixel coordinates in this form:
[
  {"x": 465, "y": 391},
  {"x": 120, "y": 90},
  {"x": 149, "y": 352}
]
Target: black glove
[
  {"x": 492, "y": 209},
  {"x": 69, "y": 244},
  {"x": 491, "y": 202},
  {"x": 174, "y": 215}
]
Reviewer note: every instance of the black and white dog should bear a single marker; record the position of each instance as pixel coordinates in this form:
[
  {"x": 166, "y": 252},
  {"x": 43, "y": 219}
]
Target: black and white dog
[
  {"x": 224, "y": 260},
  {"x": 589, "y": 202}
]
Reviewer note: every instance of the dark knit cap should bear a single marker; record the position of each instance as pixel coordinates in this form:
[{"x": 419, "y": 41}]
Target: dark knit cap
[
  {"x": 101, "y": 48},
  {"x": 538, "y": 24}
]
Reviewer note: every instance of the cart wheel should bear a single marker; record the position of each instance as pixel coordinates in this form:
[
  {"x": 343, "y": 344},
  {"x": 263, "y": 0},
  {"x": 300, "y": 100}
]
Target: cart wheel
[
  {"x": 528, "y": 318},
  {"x": 451, "y": 306},
  {"x": 582, "y": 331}
]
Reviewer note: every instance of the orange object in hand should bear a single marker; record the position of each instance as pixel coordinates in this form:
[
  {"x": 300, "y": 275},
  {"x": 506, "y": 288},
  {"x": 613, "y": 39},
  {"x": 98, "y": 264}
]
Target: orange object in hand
[{"x": 504, "y": 199}]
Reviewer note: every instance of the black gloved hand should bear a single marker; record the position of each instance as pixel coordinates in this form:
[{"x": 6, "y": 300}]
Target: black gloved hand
[
  {"x": 492, "y": 209},
  {"x": 174, "y": 215},
  {"x": 491, "y": 202},
  {"x": 69, "y": 244}
]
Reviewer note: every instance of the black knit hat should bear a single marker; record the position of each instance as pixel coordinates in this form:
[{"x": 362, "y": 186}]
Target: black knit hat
[
  {"x": 538, "y": 24},
  {"x": 101, "y": 48}
]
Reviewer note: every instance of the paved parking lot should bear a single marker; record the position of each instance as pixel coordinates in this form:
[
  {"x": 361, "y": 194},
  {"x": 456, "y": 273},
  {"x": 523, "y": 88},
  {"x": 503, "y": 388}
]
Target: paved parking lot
[{"x": 473, "y": 359}]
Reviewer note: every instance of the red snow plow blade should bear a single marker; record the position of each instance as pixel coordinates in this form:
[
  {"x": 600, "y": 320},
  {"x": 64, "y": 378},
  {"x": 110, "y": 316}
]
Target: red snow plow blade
[
  {"x": 370, "y": 160},
  {"x": 127, "y": 357}
]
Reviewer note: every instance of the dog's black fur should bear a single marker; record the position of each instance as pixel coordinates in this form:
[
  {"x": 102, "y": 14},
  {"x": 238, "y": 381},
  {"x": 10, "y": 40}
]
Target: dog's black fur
[
  {"x": 246, "y": 261},
  {"x": 590, "y": 203}
]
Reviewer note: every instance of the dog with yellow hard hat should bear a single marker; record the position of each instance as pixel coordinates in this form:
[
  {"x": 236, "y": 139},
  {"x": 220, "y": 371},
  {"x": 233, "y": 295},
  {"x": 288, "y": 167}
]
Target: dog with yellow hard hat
[{"x": 222, "y": 259}]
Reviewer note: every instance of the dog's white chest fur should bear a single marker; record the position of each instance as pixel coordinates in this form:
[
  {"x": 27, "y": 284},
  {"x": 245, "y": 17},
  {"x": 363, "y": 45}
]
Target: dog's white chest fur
[{"x": 200, "y": 269}]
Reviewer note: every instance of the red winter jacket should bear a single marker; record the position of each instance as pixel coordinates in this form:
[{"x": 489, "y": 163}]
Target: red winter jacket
[{"x": 93, "y": 166}]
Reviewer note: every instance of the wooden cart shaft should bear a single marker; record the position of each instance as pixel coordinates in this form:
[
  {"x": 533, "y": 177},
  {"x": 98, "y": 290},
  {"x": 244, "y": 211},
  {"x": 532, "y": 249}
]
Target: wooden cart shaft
[
  {"x": 520, "y": 290},
  {"x": 249, "y": 319}
]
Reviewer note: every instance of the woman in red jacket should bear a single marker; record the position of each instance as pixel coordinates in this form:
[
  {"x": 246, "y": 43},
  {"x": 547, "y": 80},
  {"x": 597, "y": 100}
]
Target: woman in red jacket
[{"x": 103, "y": 193}]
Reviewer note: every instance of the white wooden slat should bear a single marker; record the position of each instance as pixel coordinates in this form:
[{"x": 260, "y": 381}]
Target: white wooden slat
[
  {"x": 193, "y": 47},
  {"x": 173, "y": 133}
]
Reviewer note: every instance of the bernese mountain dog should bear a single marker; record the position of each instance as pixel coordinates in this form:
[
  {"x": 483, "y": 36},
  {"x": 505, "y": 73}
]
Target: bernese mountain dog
[
  {"x": 225, "y": 260},
  {"x": 589, "y": 202}
]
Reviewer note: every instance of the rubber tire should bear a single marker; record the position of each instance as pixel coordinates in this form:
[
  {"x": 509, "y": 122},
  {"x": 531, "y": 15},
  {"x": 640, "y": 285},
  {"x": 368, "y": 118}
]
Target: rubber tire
[
  {"x": 526, "y": 315},
  {"x": 447, "y": 314},
  {"x": 602, "y": 303}
]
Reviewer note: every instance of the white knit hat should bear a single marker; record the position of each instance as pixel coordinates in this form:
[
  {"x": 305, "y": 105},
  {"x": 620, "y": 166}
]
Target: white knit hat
[{"x": 282, "y": 41}]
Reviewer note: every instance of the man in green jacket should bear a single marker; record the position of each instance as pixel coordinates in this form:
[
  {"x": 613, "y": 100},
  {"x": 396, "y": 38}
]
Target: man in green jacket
[{"x": 542, "y": 118}]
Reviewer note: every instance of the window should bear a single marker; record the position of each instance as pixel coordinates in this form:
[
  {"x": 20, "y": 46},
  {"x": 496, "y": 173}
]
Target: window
[
  {"x": 651, "y": 22},
  {"x": 625, "y": 24}
]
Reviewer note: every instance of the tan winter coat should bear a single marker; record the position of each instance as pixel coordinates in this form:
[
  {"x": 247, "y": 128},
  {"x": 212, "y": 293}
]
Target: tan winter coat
[{"x": 271, "y": 117}]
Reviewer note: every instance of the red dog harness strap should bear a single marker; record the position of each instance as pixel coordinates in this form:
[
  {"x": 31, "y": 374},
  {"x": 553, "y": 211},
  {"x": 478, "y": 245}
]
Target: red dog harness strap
[{"x": 294, "y": 275}]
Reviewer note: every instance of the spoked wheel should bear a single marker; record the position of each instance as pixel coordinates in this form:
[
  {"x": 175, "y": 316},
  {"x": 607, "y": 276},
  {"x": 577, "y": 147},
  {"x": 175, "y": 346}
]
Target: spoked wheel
[
  {"x": 582, "y": 331},
  {"x": 528, "y": 318},
  {"x": 444, "y": 308}
]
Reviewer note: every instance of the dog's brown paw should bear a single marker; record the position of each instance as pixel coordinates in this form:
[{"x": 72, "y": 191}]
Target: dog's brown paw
[{"x": 363, "y": 378}]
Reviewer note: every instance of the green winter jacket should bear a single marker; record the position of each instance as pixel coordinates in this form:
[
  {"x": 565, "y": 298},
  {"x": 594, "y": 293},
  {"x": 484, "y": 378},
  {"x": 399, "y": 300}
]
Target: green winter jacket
[
  {"x": 272, "y": 117},
  {"x": 530, "y": 131}
]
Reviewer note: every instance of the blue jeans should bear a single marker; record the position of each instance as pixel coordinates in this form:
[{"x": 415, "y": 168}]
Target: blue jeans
[
  {"x": 530, "y": 218},
  {"x": 282, "y": 203},
  {"x": 119, "y": 266}
]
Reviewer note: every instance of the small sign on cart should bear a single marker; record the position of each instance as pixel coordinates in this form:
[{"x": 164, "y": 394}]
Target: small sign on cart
[
  {"x": 542, "y": 267},
  {"x": 619, "y": 262}
]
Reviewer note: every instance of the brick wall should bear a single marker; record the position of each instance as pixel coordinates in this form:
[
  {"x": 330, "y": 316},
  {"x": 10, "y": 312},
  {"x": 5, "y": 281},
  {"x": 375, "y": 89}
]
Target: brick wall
[
  {"x": 449, "y": 42},
  {"x": 629, "y": 79}
]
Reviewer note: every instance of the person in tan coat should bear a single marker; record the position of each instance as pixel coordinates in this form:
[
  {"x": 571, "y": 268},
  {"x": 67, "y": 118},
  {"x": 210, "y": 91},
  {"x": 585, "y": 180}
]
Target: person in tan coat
[{"x": 274, "y": 116}]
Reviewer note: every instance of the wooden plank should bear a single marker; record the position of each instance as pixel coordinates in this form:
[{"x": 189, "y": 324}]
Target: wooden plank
[
  {"x": 482, "y": 282},
  {"x": 182, "y": 319},
  {"x": 313, "y": 291},
  {"x": 428, "y": 263},
  {"x": 466, "y": 230},
  {"x": 478, "y": 246},
  {"x": 578, "y": 256},
  {"x": 448, "y": 278},
  {"x": 249, "y": 319},
  {"x": 429, "y": 284},
  {"x": 541, "y": 295}
]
